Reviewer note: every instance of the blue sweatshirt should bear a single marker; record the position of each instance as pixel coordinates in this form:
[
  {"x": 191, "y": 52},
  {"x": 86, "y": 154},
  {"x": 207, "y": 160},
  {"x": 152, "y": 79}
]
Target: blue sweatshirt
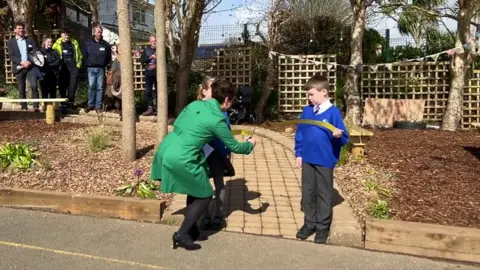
[
  {"x": 316, "y": 145},
  {"x": 218, "y": 144}
]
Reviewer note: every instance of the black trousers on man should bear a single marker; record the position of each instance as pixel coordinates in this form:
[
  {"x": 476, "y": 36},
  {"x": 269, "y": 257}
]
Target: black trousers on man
[
  {"x": 150, "y": 81},
  {"x": 22, "y": 76},
  {"x": 317, "y": 193},
  {"x": 68, "y": 82}
]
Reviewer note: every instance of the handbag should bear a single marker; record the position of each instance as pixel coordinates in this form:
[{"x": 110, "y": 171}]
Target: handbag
[{"x": 229, "y": 169}]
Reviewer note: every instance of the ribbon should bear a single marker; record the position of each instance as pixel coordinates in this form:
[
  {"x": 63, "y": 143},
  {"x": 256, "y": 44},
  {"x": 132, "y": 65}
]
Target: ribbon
[
  {"x": 242, "y": 132},
  {"x": 310, "y": 122}
]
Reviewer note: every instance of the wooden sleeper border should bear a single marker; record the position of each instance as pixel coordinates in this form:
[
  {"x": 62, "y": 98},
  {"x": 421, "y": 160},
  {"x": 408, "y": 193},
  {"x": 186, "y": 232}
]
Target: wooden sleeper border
[
  {"x": 422, "y": 239},
  {"x": 84, "y": 204}
]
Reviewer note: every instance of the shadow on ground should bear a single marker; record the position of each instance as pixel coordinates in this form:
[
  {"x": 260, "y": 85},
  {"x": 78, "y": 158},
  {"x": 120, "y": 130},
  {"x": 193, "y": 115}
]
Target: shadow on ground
[{"x": 475, "y": 151}]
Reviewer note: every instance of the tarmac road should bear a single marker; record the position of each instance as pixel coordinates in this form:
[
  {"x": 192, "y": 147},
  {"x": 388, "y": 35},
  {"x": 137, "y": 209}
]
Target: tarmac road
[{"x": 38, "y": 240}]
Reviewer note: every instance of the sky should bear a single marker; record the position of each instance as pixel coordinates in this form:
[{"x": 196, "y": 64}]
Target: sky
[{"x": 237, "y": 12}]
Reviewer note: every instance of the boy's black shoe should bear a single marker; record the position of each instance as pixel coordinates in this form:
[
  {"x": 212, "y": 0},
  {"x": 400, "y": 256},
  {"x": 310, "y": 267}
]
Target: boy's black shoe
[
  {"x": 305, "y": 232},
  {"x": 321, "y": 236}
]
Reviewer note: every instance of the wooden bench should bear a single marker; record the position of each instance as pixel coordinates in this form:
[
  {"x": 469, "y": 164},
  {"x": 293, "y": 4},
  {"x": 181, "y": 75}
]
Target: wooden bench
[
  {"x": 358, "y": 137},
  {"x": 48, "y": 103}
]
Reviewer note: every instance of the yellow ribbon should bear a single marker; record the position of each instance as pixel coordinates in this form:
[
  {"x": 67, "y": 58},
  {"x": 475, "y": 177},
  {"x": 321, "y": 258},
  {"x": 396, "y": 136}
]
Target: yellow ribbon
[
  {"x": 242, "y": 132},
  {"x": 310, "y": 122},
  {"x": 326, "y": 125}
]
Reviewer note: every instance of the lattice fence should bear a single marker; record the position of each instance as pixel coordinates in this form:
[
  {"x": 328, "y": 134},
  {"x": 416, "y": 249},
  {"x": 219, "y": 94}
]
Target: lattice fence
[
  {"x": 423, "y": 80},
  {"x": 233, "y": 64},
  {"x": 294, "y": 71},
  {"x": 471, "y": 101}
]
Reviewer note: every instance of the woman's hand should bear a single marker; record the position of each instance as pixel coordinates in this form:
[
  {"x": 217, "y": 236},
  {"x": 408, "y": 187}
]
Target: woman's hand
[{"x": 252, "y": 141}]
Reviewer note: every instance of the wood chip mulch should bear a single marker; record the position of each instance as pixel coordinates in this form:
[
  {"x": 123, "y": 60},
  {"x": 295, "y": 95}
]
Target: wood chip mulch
[
  {"x": 68, "y": 163},
  {"x": 437, "y": 174}
]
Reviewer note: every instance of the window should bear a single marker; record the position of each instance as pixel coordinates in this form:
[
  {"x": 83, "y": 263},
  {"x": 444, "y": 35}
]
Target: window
[{"x": 138, "y": 15}]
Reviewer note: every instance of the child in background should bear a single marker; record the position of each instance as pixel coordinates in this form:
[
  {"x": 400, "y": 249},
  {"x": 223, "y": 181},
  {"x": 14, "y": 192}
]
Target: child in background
[
  {"x": 217, "y": 163},
  {"x": 317, "y": 151}
]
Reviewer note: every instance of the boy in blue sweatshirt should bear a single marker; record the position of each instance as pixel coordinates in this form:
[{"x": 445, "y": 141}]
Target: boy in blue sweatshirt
[{"x": 317, "y": 151}]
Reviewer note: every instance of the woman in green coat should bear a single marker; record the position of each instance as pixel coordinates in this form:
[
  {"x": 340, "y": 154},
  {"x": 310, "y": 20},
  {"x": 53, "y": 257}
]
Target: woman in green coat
[{"x": 180, "y": 162}]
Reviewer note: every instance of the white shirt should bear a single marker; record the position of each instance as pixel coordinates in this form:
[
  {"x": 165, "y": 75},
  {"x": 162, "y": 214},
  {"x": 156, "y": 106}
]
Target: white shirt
[{"x": 318, "y": 109}]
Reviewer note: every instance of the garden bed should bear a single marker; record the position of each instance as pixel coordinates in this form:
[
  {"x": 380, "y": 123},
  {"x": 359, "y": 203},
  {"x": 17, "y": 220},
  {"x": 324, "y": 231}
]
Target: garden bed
[
  {"x": 428, "y": 176},
  {"x": 76, "y": 158}
]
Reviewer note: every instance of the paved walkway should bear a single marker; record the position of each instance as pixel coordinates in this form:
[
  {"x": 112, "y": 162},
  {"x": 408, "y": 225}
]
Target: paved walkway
[
  {"x": 264, "y": 195},
  {"x": 44, "y": 241}
]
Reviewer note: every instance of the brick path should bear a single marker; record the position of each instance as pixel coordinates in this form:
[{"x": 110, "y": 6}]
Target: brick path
[{"x": 264, "y": 196}]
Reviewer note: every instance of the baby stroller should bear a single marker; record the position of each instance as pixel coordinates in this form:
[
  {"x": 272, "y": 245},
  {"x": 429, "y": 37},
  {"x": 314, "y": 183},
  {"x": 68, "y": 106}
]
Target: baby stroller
[{"x": 240, "y": 112}]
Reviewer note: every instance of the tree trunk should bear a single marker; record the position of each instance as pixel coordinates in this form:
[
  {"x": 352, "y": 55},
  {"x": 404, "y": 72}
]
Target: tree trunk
[
  {"x": 351, "y": 89},
  {"x": 22, "y": 10},
  {"x": 93, "y": 4},
  {"x": 128, "y": 99},
  {"x": 274, "y": 20},
  {"x": 267, "y": 90},
  {"x": 459, "y": 64},
  {"x": 188, "y": 47},
  {"x": 162, "y": 91}
]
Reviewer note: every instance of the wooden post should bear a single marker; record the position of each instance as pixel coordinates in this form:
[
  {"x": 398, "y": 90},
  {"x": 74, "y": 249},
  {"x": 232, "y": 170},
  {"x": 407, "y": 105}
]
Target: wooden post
[{"x": 50, "y": 113}]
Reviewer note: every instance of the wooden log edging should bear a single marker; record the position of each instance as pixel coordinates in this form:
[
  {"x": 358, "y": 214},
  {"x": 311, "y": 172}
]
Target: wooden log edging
[
  {"x": 83, "y": 204},
  {"x": 422, "y": 239}
]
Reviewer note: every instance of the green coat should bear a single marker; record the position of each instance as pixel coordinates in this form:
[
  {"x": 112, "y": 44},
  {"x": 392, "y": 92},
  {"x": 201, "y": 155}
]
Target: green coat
[{"x": 179, "y": 161}]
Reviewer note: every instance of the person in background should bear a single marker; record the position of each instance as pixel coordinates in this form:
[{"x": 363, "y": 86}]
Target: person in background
[
  {"x": 217, "y": 164},
  {"x": 69, "y": 50},
  {"x": 97, "y": 55},
  {"x": 19, "y": 49},
  {"x": 114, "y": 79},
  {"x": 50, "y": 69},
  {"x": 149, "y": 58}
]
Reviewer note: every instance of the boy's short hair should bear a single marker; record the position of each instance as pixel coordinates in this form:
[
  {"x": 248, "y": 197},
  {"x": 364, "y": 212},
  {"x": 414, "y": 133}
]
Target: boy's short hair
[
  {"x": 222, "y": 89},
  {"x": 318, "y": 82}
]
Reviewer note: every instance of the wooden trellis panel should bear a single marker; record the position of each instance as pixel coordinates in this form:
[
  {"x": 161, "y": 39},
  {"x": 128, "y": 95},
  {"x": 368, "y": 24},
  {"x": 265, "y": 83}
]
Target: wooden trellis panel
[
  {"x": 233, "y": 64},
  {"x": 429, "y": 81},
  {"x": 471, "y": 101},
  {"x": 294, "y": 72},
  {"x": 138, "y": 73},
  {"x": 9, "y": 76}
]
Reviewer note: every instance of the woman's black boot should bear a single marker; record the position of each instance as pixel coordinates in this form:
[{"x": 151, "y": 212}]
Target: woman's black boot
[{"x": 184, "y": 242}]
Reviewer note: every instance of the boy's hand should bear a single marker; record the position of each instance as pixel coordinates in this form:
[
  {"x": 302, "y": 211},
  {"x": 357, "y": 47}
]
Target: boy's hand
[
  {"x": 298, "y": 161},
  {"x": 337, "y": 133}
]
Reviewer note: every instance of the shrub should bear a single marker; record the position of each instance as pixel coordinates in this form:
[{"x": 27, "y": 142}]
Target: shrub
[{"x": 19, "y": 156}]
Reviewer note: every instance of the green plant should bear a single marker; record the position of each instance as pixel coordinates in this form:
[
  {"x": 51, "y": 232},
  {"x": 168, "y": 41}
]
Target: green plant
[
  {"x": 98, "y": 139},
  {"x": 18, "y": 156},
  {"x": 142, "y": 188},
  {"x": 379, "y": 209},
  {"x": 371, "y": 185},
  {"x": 343, "y": 159}
]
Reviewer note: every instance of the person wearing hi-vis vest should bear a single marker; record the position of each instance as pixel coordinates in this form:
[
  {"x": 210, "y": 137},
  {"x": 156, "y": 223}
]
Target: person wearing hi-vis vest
[
  {"x": 69, "y": 50},
  {"x": 98, "y": 55}
]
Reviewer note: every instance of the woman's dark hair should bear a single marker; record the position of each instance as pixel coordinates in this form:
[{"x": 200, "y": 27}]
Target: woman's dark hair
[{"x": 222, "y": 89}]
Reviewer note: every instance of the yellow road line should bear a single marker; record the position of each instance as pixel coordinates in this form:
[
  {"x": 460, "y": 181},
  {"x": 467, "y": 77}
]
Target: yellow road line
[{"x": 75, "y": 254}]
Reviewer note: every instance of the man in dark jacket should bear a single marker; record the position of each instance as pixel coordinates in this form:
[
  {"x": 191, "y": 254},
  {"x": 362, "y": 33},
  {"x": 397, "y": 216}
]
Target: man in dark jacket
[
  {"x": 149, "y": 58},
  {"x": 18, "y": 49},
  {"x": 98, "y": 55}
]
